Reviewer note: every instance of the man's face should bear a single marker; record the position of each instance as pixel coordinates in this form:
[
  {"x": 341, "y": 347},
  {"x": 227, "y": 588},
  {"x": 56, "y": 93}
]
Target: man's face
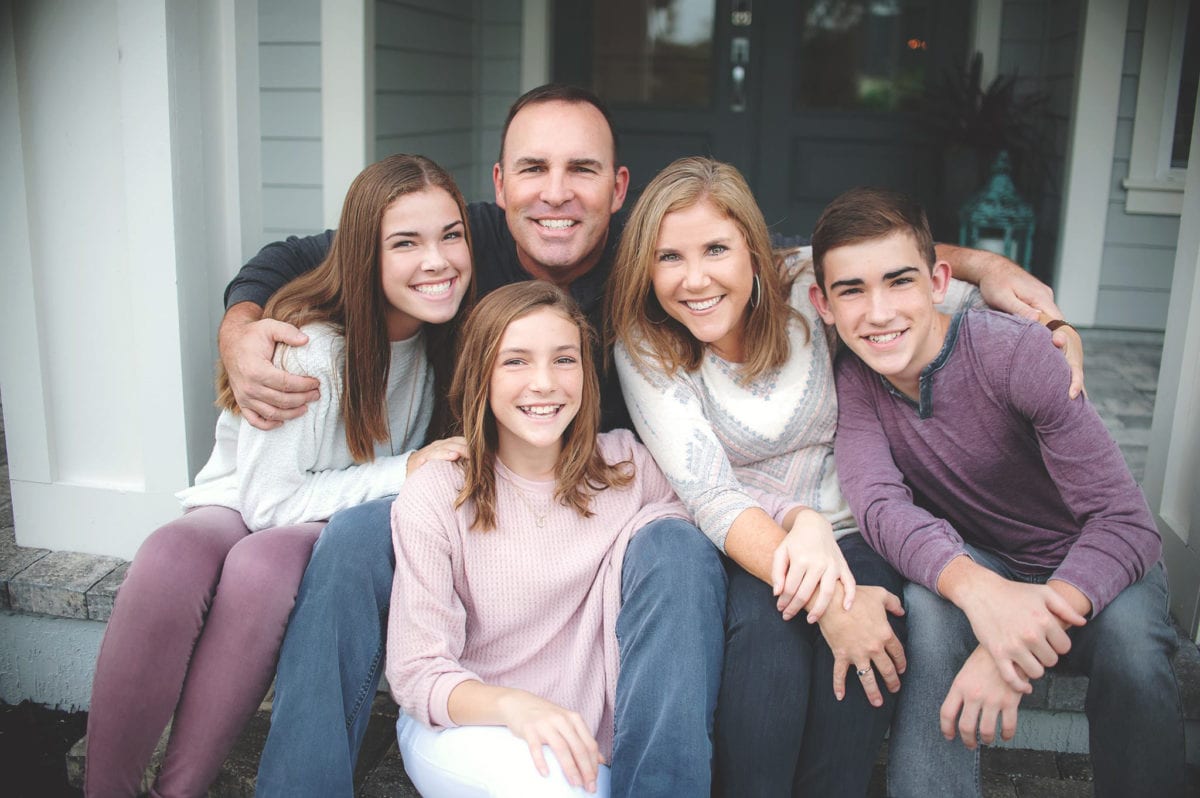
[
  {"x": 558, "y": 187},
  {"x": 880, "y": 295}
]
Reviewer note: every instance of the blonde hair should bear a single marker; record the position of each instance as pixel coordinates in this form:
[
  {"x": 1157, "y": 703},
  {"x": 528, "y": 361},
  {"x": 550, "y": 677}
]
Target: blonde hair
[
  {"x": 346, "y": 292},
  {"x": 581, "y": 471},
  {"x": 637, "y": 320}
]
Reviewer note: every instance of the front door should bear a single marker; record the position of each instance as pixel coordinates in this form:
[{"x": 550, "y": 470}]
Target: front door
[{"x": 806, "y": 97}]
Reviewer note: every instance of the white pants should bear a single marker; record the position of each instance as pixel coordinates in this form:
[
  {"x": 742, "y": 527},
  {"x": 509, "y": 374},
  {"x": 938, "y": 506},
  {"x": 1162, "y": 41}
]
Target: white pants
[{"x": 482, "y": 762}]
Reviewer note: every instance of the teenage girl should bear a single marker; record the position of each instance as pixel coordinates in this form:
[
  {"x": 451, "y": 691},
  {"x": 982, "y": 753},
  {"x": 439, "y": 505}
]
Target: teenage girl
[
  {"x": 508, "y": 564},
  {"x": 198, "y": 622}
]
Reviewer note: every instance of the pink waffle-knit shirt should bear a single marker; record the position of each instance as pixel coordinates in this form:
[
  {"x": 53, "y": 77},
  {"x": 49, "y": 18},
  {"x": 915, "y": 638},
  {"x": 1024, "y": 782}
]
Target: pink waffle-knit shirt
[{"x": 523, "y": 605}]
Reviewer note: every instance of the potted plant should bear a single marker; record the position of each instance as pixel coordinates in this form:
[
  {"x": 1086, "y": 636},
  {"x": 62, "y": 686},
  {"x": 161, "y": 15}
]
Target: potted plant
[{"x": 973, "y": 124}]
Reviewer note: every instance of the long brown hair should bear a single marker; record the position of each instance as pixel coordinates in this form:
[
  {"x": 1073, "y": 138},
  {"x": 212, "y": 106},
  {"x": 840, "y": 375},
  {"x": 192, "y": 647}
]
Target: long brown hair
[
  {"x": 581, "y": 470},
  {"x": 346, "y": 292},
  {"x": 636, "y": 318}
]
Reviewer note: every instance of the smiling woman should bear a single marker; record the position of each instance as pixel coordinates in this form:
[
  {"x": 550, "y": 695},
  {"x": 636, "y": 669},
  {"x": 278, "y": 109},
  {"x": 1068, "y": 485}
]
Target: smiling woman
[
  {"x": 728, "y": 376},
  {"x": 197, "y": 625}
]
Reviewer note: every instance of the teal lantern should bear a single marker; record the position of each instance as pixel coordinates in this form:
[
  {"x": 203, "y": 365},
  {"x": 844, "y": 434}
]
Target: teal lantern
[{"x": 997, "y": 219}]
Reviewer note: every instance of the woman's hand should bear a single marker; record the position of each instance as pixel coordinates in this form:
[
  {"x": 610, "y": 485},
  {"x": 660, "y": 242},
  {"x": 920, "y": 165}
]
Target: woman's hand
[
  {"x": 861, "y": 638},
  {"x": 808, "y": 564},
  {"x": 444, "y": 449},
  {"x": 540, "y": 722}
]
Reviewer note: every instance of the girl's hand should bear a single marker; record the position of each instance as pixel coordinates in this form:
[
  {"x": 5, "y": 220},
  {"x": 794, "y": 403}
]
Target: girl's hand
[
  {"x": 445, "y": 449},
  {"x": 809, "y": 560},
  {"x": 540, "y": 722}
]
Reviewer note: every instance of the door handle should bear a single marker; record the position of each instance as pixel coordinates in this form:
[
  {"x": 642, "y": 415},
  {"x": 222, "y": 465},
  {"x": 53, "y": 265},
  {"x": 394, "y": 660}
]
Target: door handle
[{"x": 739, "y": 56}]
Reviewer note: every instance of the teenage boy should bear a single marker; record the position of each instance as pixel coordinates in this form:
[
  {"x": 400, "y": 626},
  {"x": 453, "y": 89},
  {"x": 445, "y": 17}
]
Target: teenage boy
[{"x": 1007, "y": 504}]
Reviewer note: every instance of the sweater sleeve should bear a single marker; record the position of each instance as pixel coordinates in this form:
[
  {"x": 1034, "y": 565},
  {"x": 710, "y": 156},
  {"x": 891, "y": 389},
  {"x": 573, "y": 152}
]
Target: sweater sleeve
[
  {"x": 671, "y": 422},
  {"x": 279, "y": 482},
  {"x": 427, "y": 620},
  {"x": 274, "y": 266},
  {"x": 917, "y": 543},
  {"x": 1118, "y": 540}
]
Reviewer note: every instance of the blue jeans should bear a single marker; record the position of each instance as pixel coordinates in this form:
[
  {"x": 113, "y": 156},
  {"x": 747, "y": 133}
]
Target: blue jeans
[
  {"x": 671, "y": 638},
  {"x": 673, "y": 590},
  {"x": 780, "y": 729},
  {"x": 331, "y": 658},
  {"x": 1135, "y": 720}
]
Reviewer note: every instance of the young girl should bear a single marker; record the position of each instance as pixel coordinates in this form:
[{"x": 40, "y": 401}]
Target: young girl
[
  {"x": 199, "y": 619},
  {"x": 508, "y": 564}
]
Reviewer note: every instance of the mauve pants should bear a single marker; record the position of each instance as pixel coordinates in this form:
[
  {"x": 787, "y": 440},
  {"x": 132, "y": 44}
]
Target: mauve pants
[{"x": 195, "y": 632}]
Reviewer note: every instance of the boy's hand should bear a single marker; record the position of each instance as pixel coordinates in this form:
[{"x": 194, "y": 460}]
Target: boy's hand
[
  {"x": 977, "y": 699},
  {"x": 1021, "y": 626}
]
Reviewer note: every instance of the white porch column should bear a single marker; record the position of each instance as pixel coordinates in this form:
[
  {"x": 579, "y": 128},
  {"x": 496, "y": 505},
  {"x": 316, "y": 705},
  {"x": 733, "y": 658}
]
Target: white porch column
[
  {"x": 1089, "y": 160},
  {"x": 347, "y": 98},
  {"x": 110, "y": 287},
  {"x": 1173, "y": 460}
]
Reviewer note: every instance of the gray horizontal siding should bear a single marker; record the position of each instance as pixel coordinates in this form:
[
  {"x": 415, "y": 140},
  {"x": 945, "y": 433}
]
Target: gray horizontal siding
[
  {"x": 1139, "y": 249},
  {"x": 289, "y": 55}
]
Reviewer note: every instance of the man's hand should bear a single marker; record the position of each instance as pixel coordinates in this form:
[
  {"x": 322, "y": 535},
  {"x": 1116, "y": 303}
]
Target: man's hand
[
  {"x": 1003, "y": 284},
  {"x": 977, "y": 698},
  {"x": 861, "y": 637},
  {"x": 807, "y": 566},
  {"x": 1020, "y": 625},
  {"x": 1067, "y": 339},
  {"x": 540, "y": 722},
  {"x": 444, "y": 449},
  {"x": 266, "y": 395}
]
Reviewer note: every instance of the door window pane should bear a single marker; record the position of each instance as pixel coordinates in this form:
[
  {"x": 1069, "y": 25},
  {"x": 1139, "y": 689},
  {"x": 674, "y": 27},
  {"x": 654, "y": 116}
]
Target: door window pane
[
  {"x": 1189, "y": 72},
  {"x": 862, "y": 54},
  {"x": 654, "y": 52}
]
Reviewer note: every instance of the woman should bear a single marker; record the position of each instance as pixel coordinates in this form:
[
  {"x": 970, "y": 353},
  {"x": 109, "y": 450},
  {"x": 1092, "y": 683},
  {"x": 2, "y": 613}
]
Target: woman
[
  {"x": 727, "y": 373},
  {"x": 197, "y": 624},
  {"x": 508, "y": 564}
]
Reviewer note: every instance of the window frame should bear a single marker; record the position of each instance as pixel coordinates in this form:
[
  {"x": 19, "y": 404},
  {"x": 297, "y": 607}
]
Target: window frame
[{"x": 1153, "y": 185}]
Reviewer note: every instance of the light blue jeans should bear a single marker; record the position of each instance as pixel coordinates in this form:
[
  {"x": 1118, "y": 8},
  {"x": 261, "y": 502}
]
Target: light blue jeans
[
  {"x": 670, "y": 633},
  {"x": 1135, "y": 718}
]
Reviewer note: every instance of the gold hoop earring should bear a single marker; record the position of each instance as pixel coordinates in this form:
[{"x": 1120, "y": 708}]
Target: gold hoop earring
[{"x": 756, "y": 293}]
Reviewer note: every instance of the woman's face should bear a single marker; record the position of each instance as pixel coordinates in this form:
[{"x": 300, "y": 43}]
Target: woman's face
[
  {"x": 702, "y": 274},
  {"x": 424, "y": 260},
  {"x": 536, "y": 383}
]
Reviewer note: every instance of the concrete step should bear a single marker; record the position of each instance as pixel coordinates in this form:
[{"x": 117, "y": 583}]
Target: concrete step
[
  {"x": 1052, "y": 719},
  {"x": 379, "y": 774}
]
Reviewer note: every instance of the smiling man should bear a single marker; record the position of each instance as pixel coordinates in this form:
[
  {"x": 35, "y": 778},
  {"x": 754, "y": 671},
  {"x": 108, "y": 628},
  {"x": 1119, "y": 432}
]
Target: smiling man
[{"x": 1005, "y": 502}]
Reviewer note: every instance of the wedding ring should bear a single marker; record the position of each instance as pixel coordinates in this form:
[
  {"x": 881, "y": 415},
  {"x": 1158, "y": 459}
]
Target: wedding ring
[{"x": 862, "y": 672}]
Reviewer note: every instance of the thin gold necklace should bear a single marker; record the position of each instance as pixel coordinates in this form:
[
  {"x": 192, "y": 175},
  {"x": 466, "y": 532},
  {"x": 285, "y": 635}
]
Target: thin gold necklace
[{"x": 539, "y": 517}]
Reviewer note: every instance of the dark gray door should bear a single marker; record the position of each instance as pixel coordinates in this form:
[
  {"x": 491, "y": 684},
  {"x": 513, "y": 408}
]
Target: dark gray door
[{"x": 806, "y": 97}]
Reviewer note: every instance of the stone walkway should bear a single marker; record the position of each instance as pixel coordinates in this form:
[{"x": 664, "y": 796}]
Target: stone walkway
[{"x": 1122, "y": 372}]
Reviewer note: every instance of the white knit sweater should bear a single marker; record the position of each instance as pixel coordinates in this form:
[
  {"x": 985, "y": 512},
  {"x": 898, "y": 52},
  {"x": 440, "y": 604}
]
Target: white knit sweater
[{"x": 303, "y": 471}]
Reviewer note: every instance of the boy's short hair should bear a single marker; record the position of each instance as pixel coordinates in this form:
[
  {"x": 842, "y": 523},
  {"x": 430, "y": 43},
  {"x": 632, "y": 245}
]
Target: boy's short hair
[{"x": 866, "y": 213}]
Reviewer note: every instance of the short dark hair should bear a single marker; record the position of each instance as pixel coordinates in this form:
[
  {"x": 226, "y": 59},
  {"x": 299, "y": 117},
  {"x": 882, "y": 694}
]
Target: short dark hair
[
  {"x": 562, "y": 93},
  {"x": 866, "y": 213}
]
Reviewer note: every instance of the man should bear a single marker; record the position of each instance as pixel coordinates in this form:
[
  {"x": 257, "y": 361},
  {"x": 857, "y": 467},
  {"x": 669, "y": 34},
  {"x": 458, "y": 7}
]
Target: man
[
  {"x": 558, "y": 182},
  {"x": 1006, "y": 503}
]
